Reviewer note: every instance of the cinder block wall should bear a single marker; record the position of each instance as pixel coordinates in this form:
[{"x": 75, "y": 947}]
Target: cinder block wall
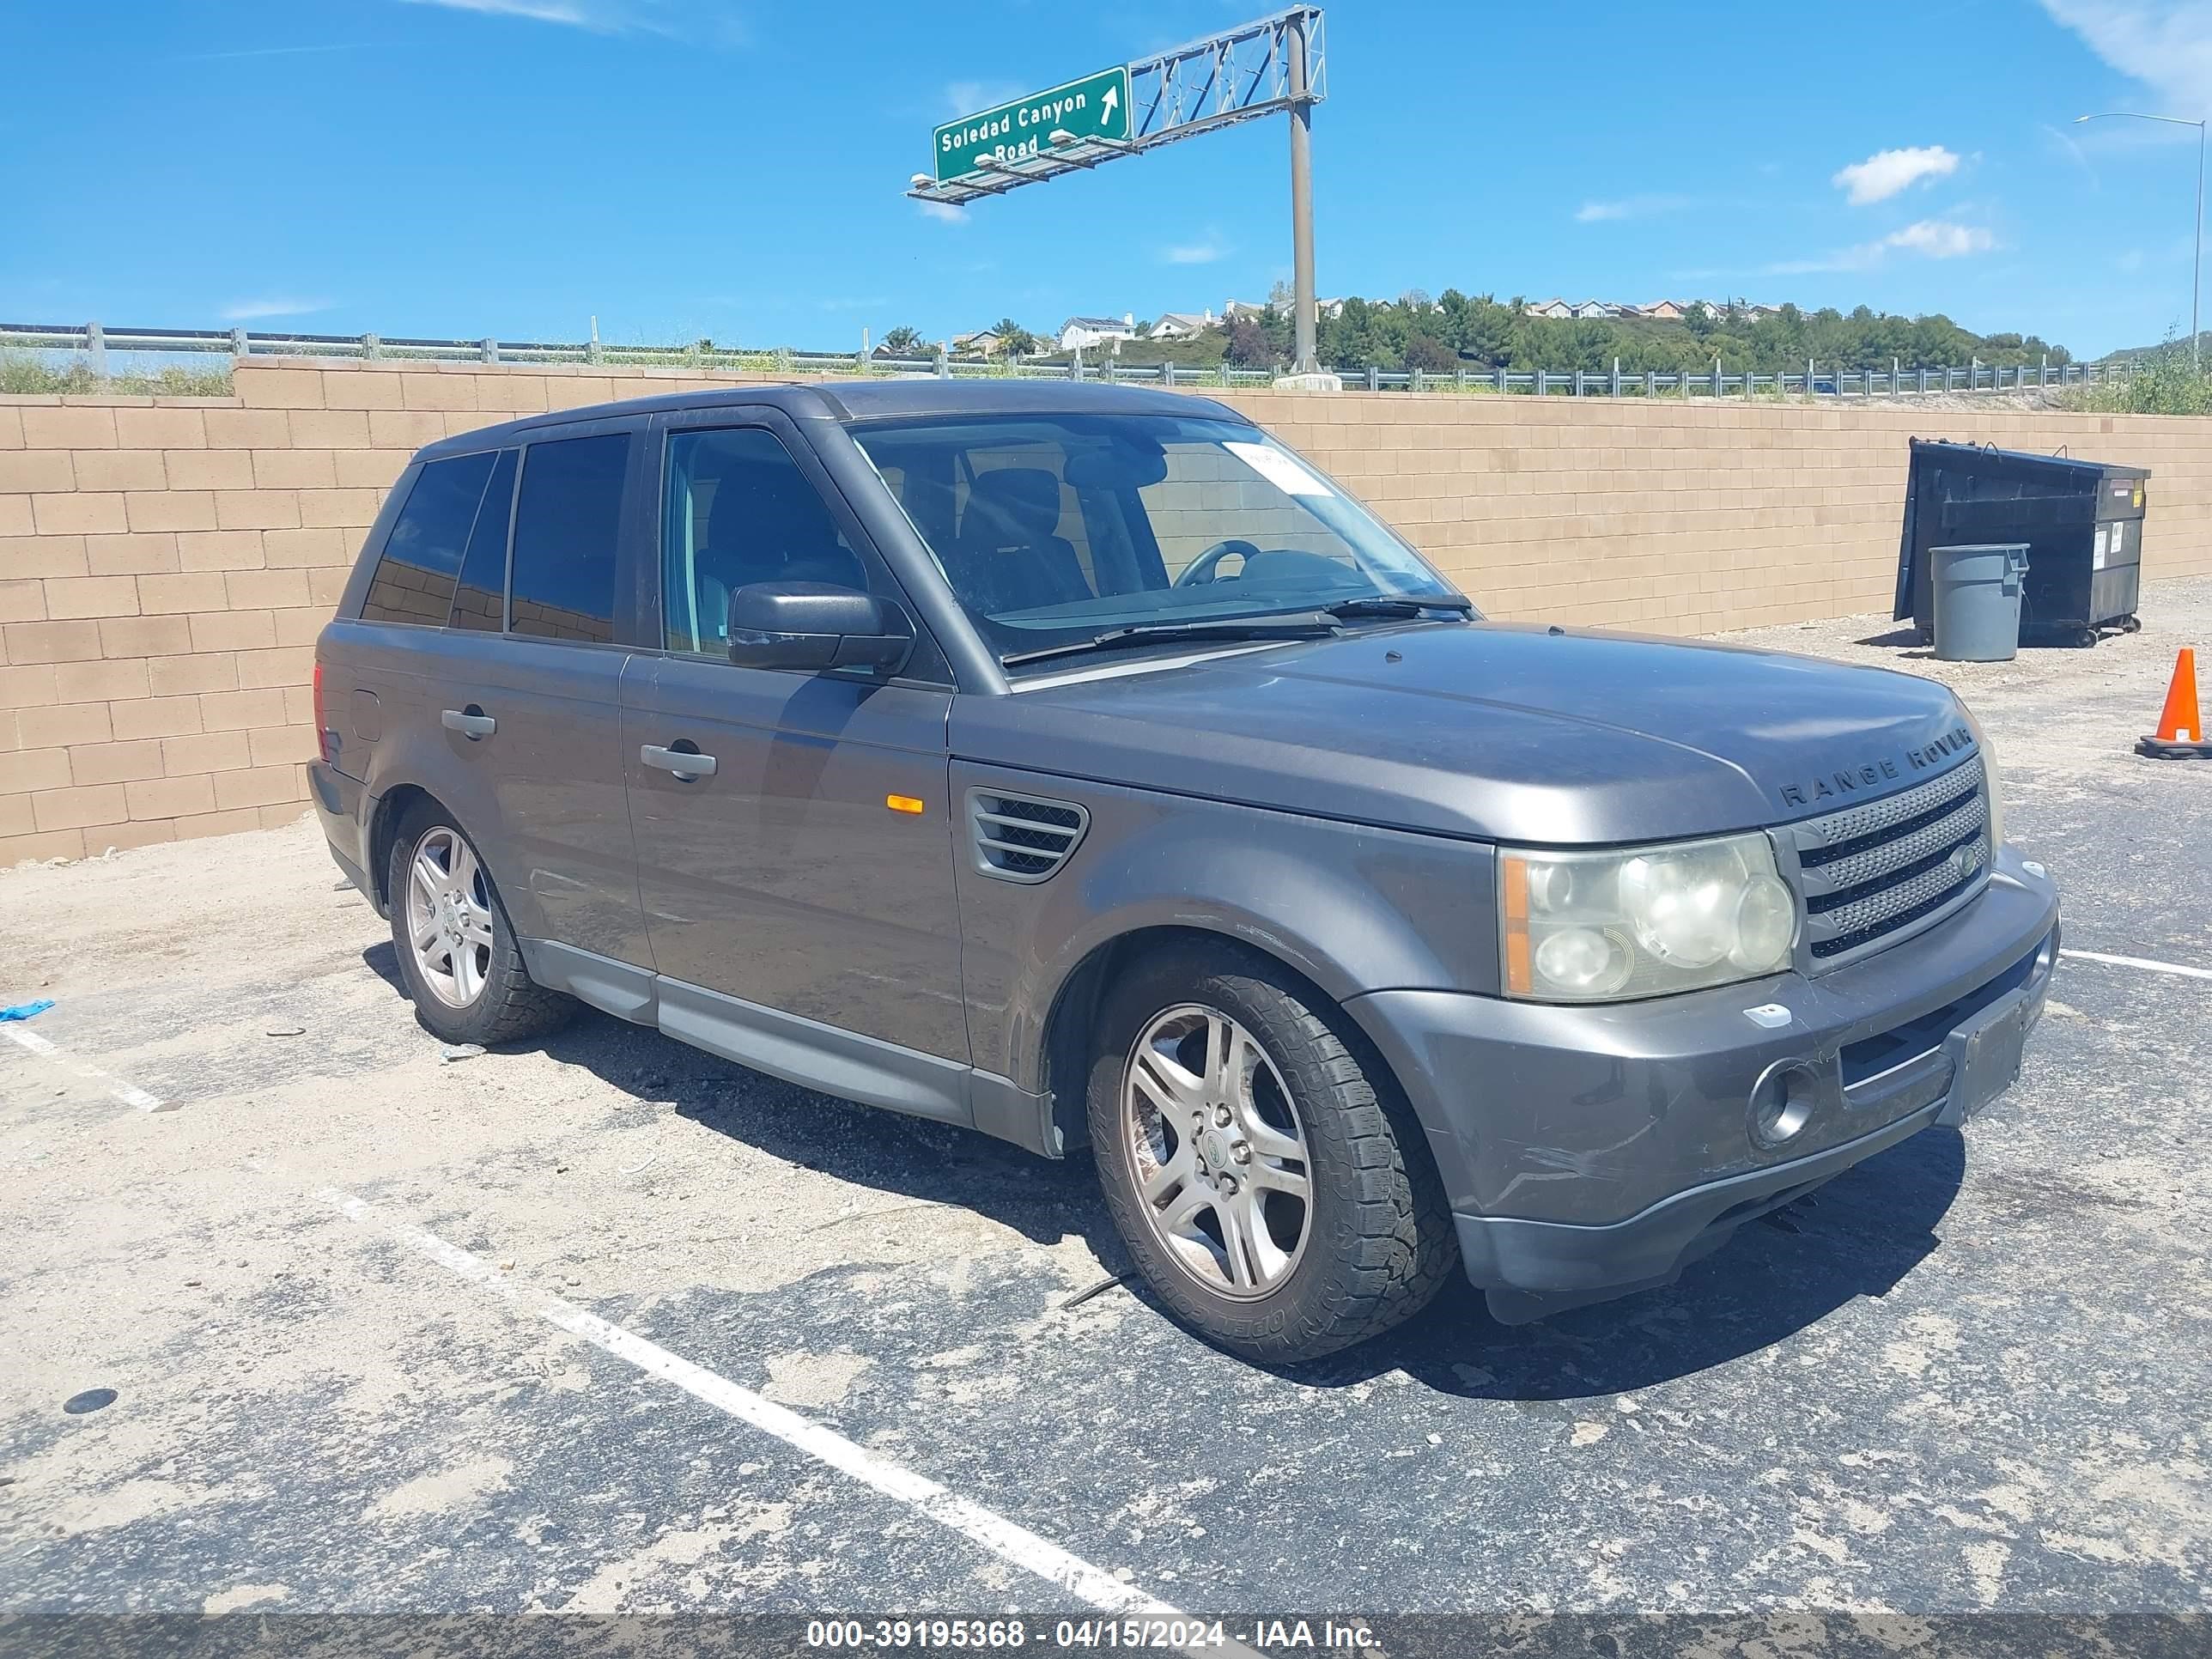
[
  {"x": 165, "y": 564},
  {"x": 1691, "y": 518}
]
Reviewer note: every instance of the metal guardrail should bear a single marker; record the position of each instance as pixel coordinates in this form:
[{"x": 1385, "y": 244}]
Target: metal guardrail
[{"x": 94, "y": 342}]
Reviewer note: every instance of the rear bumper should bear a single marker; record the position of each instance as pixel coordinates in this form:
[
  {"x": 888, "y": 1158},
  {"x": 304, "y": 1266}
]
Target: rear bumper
[
  {"x": 342, "y": 805},
  {"x": 1592, "y": 1152}
]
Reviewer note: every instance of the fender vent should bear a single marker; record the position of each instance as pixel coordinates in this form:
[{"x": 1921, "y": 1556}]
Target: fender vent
[{"x": 1021, "y": 838}]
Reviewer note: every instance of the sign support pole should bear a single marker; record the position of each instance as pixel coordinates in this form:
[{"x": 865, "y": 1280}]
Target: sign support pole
[
  {"x": 1302, "y": 245},
  {"x": 1276, "y": 63}
]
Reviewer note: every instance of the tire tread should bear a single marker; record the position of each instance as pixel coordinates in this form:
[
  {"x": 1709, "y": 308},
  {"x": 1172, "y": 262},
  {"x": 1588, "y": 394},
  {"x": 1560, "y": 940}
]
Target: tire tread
[
  {"x": 512, "y": 1006},
  {"x": 1399, "y": 1247}
]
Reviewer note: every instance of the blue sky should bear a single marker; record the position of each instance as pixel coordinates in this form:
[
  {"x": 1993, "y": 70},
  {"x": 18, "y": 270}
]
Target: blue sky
[{"x": 733, "y": 168}]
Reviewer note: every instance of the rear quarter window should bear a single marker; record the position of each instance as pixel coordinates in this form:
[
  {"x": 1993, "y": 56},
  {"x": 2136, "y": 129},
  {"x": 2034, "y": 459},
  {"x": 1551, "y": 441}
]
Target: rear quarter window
[
  {"x": 421, "y": 558},
  {"x": 568, "y": 519},
  {"x": 480, "y": 599}
]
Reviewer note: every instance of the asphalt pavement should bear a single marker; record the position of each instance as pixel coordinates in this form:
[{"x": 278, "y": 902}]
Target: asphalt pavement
[{"x": 606, "y": 1326}]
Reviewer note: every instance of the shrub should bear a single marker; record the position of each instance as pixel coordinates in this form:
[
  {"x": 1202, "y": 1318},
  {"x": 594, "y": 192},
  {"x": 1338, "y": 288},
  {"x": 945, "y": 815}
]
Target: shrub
[
  {"x": 2165, "y": 382},
  {"x": 23, "y": 372}
]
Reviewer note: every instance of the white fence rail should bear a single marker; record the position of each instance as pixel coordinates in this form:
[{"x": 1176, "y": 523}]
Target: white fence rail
[{"x": 97, "y": 346}]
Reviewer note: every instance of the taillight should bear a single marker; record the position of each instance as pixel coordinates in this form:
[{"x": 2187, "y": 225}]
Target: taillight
[{"x": 325, "y": 737}]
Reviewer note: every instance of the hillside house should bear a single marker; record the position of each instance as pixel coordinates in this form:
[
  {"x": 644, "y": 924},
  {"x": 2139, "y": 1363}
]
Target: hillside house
[
  {"x": 1182, "y": 325},
  {"x": 1082, "y": 333}
]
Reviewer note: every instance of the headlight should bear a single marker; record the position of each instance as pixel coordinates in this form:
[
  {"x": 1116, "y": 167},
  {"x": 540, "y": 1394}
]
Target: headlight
[{"x": 1642, "y": 921}]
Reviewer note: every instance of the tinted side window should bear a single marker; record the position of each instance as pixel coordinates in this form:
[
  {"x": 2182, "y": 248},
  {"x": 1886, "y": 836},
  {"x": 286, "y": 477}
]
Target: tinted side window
[
  {"x": 414, "y": 579},
  {"x": 738, "y": 510},
  {"x": 567, "y": 519},
  {"x": 480, "y": 600}
]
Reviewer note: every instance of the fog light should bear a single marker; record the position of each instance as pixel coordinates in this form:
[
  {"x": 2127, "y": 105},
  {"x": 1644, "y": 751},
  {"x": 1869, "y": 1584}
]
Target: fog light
[
  {"x": 2047, "y": 956},
  {"x": 1782, "y": 1105}
]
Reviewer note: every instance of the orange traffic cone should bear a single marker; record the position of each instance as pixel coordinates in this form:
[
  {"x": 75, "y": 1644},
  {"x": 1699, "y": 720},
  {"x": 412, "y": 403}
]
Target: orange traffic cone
[{"x": 2181, "y": 727}]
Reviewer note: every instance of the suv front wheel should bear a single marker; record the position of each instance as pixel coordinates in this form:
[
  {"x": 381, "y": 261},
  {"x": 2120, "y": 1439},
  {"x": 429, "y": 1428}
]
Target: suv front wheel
[
  {"x": 1258, "y": 1161},
  {"x": 456, "y": 947}
]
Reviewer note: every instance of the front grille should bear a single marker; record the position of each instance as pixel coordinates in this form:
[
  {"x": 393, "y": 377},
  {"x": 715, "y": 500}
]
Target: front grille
[{"x": 1870, "y": 871}]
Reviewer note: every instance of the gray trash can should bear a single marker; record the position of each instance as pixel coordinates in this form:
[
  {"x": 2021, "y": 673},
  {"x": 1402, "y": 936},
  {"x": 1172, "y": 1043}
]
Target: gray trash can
[{"x": 1976, "y": 594}]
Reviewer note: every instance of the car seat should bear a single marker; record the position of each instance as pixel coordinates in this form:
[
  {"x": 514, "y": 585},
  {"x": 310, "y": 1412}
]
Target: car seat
[{"x": 1008, "y": 555}]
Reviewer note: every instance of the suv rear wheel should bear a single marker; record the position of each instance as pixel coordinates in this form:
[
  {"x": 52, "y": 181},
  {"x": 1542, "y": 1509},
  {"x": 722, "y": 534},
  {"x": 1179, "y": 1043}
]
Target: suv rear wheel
[
  {"x": 1257, "y": 1160},
  {"x": 456, "y": 947}
]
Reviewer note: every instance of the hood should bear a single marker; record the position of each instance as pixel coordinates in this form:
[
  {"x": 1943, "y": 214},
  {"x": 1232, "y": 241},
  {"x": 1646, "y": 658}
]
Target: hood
[{"x": 1490, "y": 730}]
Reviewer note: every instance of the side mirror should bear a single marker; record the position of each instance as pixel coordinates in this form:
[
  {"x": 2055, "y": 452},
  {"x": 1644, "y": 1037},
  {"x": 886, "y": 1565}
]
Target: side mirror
[{"x": 814, "y": 626}]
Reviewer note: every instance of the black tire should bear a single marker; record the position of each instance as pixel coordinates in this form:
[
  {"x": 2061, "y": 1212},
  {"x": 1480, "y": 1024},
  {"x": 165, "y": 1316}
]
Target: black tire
[
  {"x": 509, "y": 1006},
  {"x": 1379, "y": 1240}
]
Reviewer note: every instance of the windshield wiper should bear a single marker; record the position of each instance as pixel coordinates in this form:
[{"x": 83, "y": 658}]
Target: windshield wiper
[
  {"x": 1399, "y": 605},
  {"x": 1280, "y": 625}
]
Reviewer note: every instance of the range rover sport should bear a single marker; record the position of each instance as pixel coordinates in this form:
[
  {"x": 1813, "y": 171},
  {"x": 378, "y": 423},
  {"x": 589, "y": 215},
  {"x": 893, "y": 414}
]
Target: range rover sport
[{"x": 1079, "y": 764}]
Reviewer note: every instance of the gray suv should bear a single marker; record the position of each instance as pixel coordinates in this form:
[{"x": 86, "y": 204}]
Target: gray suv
[{"x": 1079, "y": 764}]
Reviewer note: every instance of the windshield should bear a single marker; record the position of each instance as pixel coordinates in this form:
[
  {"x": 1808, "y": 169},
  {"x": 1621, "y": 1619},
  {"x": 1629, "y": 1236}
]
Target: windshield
[{"x": 1053, "y": 529}]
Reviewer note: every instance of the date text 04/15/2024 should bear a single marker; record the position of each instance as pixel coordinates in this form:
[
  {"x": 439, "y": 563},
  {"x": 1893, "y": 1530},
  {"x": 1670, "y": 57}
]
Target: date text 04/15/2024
[{"x": 1163, "y": 1634}]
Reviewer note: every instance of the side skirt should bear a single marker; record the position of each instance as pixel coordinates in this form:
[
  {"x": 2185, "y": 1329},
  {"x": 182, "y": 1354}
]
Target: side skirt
[{"x": 804, "y": 1051}]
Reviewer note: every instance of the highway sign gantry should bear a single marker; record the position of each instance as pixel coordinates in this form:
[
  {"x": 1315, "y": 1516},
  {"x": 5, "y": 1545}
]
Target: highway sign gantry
[{"x": 1093, "y": 109}]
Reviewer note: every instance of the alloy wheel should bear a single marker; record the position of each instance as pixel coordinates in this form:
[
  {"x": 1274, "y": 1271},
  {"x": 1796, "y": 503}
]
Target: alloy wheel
[
  {"x": 449, "y": 917},
  {"x": 1223, "y": 1176}
]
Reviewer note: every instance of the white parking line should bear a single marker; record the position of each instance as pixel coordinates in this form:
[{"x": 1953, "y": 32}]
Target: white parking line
[
  {"x": 1002, "y": 1537},
  {"x": 129, "y": 1093},
  {"x": 2143, "y": 963}
]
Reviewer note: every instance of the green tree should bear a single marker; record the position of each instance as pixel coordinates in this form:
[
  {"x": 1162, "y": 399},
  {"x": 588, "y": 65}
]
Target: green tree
[
  {"x": 904, "y": 342},
  {"x": 1013, "y": 339},
  {"x": 1414, "y": 331}
]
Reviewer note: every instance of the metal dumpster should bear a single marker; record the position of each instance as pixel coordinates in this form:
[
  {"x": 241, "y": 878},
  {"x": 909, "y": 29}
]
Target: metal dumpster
[{"x": 2082, "y": 522}]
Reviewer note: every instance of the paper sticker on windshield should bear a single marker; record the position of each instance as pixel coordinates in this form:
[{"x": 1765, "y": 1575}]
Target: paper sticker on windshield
[{"x": 1278, "y": 469}]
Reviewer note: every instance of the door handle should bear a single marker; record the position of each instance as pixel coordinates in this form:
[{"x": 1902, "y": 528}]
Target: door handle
[
  {"x": 688, "y": 764},
  {"x": 471, "y": 722}
]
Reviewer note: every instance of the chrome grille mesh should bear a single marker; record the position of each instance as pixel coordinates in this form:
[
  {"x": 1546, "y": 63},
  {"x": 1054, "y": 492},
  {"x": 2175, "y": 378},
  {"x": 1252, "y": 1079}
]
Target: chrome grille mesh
[
  {"x": 1868, "y": 872},
  {"x": 1958, "y": 823}
]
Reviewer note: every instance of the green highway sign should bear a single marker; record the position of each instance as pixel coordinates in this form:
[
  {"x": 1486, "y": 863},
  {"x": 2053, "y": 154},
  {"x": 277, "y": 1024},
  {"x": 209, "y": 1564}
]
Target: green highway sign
[{"x": 1096, "y": 106}]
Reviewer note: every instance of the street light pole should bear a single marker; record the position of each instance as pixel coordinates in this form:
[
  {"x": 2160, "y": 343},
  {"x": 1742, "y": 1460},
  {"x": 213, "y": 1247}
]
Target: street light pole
[{"x": 2196, "y": 270}]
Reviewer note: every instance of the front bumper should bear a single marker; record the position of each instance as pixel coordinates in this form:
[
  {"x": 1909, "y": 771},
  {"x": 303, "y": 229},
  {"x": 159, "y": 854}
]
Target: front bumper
[{"x": 1589, "y": 1152}]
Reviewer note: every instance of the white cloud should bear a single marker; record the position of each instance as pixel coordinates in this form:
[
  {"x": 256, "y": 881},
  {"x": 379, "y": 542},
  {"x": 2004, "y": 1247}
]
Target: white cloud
[
  {"x": 1940, "y": 239},
  {"x": 1931, "y": 238},
  {"x": 1629, "y": 207},
  {"x": 974, "y": 97},
  {"x": 541, "y": 11},
  {"x": 712, "y": 18},
  {"x": 944, "y": 212},
  {"x": 1204, "y": 252},
  {"x": 1885, "y": 173},
  {"x": 246, "y": 310},
  {"x": 1846, "y": 258},
  {"x": 2164, "y": 43},
  {"x": 264, "y": 52}
]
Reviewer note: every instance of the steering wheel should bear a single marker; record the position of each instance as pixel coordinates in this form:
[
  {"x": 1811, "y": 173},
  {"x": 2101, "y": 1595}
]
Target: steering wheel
[{"x": 1198, "y": 572}]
